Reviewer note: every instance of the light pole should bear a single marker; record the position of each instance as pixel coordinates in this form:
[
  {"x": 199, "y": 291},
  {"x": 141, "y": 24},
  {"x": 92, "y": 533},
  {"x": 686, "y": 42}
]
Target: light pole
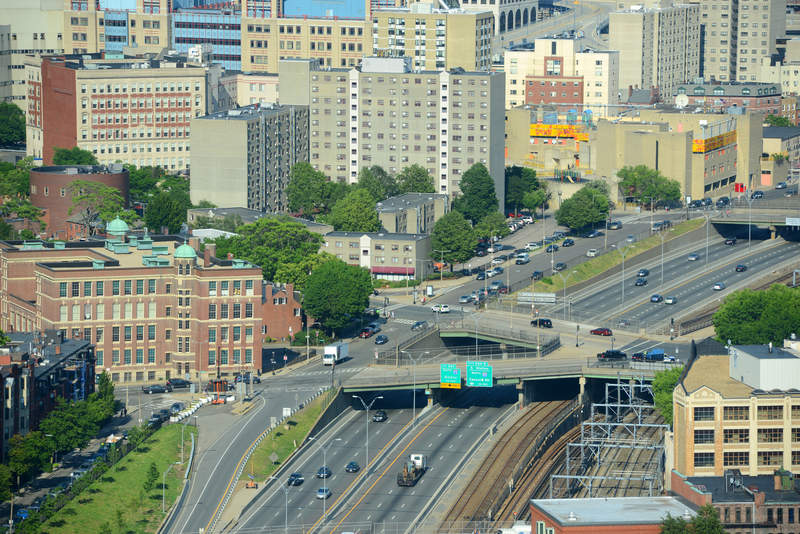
[
  {"x": 441, "y": 268},
  {"x": 707, "y": 216},
  {"x": 325, "y": 465},
  {"x": 286, "y": 493},
  {"x": 163, "y": 486},
  {"x": 664, "y": 236},
  {"x": 623, "y": 253},
  {"x": 652, "y": 209},
  {"x": 477, "y": 320},
  {"x": 414, "y": 392},
  {"x": 367, "y": 408},
  {"x": 508, "y": 292},
  {"x": 564, "y": 280}
]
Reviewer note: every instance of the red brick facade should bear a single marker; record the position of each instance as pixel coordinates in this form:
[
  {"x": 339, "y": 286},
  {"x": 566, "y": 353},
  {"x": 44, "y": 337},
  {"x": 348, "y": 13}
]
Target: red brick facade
[
  {"x": 60, "y": 124},
  {"x": 553, "y": 90},
  {"x": 537, "y": 515}
]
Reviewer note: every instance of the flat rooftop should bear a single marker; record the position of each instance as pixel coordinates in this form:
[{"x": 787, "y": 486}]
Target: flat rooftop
[
  {"x": 713, "y": 371},
  {"x": 613, "y": 511},
  {"x": 249, "y": 215},
  {"x": 380, "y": 235},
  {"x": 80, "y": 169},
  {"x": 763, "y": 352},
  {"x": 716, "y": 486},
  {"x": 780, "y": 132},
  {"x": 406, "y": 201},
  {"x": 247, "y": 113}
]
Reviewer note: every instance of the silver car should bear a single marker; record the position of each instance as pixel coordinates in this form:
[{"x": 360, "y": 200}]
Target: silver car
[
  {"x": 465, "y": 299},
  {"x": 694, "y": 257}
]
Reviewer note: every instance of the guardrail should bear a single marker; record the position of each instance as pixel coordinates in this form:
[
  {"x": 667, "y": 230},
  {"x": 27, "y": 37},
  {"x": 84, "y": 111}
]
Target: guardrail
[{"x": 392, "y": 353}]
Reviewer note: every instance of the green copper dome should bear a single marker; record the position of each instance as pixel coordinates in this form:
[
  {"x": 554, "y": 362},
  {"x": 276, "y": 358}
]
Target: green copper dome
[
  {"x": 185, "y": 252},
  {"x": 117, "y": 227}
]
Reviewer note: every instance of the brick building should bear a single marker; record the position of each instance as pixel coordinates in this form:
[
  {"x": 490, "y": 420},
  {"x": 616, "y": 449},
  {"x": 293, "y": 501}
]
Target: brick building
[
  {"x": 280, "y": 311},
  {"x": 152, "y": 307},
  {"x": 49, "y": 192},
  {"x": 717, "y": 96}
]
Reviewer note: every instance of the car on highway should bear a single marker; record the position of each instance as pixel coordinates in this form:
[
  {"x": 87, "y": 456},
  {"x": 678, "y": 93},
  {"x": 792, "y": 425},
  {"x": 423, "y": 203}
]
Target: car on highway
[
  {"x": 694, "y": 257},
  {"x": 612, "y": 354},
  {"x": 500, "y": 259},
  {"x": 352, "y": 467},
  {"x": 295, "y": 479},
  {"x": 615, "y": 225},
  {"x": 465, "y": 299},
  {"x": 497, "y": 284},
  {"x": 381, "y": 340},
  {"x": 790, "y": 192},
  {"x": 537, "y": 275},
  {"x": 568, "y": 242},
  {"x": 641, "y": 282},
  {"x": 730, "y": 241},
  {"x": 723, "y": 201},
  {"x": 156, "y": 388},
  {"x": 489, "y": 274},
  {"x": 419, "y": 325},
  {"x": 366, "y": 332},
  {"x": 498, "y": 270},
  {"x": 781, "y": 185},
  {"x": 656, "y": 298},
  {"x": 533, "y": 245},
  {"x": 380, "y": 416},
  {"x": 323, "y": 472},
  {"x": 670, "y": 300},
  {"x": 601, "y": 332},
  {"x": 542, "y": 323},
  {"x": 719, "y": 286},
  {"x": 741, "y": 268},
  {"x": 560, "y": 266},
  {"x": 643, "y": 272},
  {"x": 757, "y": 194},
  {"x": 592, "y": 253},
  {"x": 178, "y": 383},
  {"x": 323, "y": 493},
  {"x": 593, "y": 234},
  {"x": 631, "y": 239},
  {"x": 481, "y": 276},
  {"x": 479, "y": 253},
  {"x": 551, "y": 248},
  {"x": 440, "y": 308}
]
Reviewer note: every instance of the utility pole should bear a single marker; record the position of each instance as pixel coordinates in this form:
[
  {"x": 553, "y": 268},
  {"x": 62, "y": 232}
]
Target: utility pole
[{"x": 441, "y": 268}]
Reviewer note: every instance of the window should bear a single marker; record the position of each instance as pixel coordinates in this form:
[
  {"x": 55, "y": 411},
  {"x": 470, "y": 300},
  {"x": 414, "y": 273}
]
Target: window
[
  {"x": 128, "y": 333},
  {"x": 770, "y": 413},
  {"x": 151, "y": 332},
  {"x": 62, "y": 287},
  {"x": 704, "y": 414},
  {"x": 223, "y": 311},
  {"x": 212, "y": 311},
  {"x": 99, "y": 289},
  {"x": 115, "y": 288},
  {"x": 248, "y": 310},
  {"x": 736, "y": 435},
  {"x": 87, "y": 289},
  {"x": 736, "y": 413},
  {"x": 702, "y": 437},
  {"x": 770, "y": 458},
  {"x": 704, "y": 459},
  {"x": 770, "y": 435},
  {"x": 140, "y": 287}
]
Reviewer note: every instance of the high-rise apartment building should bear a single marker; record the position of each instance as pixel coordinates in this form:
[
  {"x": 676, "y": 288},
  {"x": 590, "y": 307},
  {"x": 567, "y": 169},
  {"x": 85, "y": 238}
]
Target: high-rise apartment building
[
  {"x": 737, "y": 34},
  {"x": 658, "y": 47},
  {"x": 128, "y": 109},
  {"x": 243, "y": 157},
  {"x": 388, "y": 114}
]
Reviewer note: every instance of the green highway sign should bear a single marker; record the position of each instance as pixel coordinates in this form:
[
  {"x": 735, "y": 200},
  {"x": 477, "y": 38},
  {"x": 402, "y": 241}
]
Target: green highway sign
[
  {"x": 450, "y": 376},
  {"x": 479, "y": 375}
]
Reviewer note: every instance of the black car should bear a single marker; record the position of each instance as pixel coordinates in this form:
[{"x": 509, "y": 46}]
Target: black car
[
  {"x": 656, "y": 298},
  {"x": 568, "y": 242},
  {"x": 323, "y": 472},
  {"x": 381, "y": 340},
  {"x": 480, "y": 253},
  {"x": 757, "y": 194},
  {"x": 156, "y": 388},
  {"x": 612, "y": 355},
  {"x": 730, "y": 241},
  {"x": 643, "y": 272},
  {"x": 352, "y": 467},
  {"x": 178, "y": 383},
  {"x": 723, "y": 201},
  {"x": 741, "y": 268},
  {"x": 560, "y": 266},
  {"x": 542, "y": 323},
  {"x": 295, "y": 479},
  {"x": 537, "y": 275},
  {"x": 379, "y": 416},
  {"x": 481, "y": 276},
  {"x": 593, "y": 234},
  {"x": 419, "y": 325},
  {"x": 641, "y": 281},
  {"x": 551, "y": 248},
  {"x": 498, "y": 270}
]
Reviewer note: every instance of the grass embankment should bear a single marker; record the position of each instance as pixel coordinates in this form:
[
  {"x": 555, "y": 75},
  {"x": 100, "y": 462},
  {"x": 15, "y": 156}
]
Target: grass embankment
[
  {"x": 286, "y": 438},
  {"x": 594, "y": 266},
  {"x": 120, "y": 489}
]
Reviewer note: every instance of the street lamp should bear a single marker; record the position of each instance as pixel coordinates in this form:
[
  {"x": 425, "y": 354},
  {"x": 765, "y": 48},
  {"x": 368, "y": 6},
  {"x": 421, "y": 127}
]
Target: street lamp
[
  {"x": 163, "y": 486},
  {"x": 623, "y": 253},
  {"x": 662, "y": 253},
  {"x": 414, "y": 392},
  {"x": 565, "y": 289},
  {"x": 286, "y": 492},
  {"x": 477, "y": 320},
  {"x": 707, "y": 216},
  {"x": 324, "y": 465},
  {"x": 367, "y": 408}
]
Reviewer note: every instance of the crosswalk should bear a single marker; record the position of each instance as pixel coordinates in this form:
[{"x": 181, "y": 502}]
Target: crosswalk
[{"x": 339, "y": 369}]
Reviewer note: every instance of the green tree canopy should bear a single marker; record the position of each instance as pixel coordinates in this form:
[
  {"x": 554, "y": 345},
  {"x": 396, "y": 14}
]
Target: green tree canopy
[
  {"x": 337, "y": 293},
  {"x": 415, "y": 179},
  {"x": 494, "y": 224},
  {"x": 15, "y": 179},
  {"x": 705, "y": 522},
  {"x": 536, "y": 200},
  {"x": 478, "y": 196},
  {"x": 600, "y": 186},
  {"x": 28, "y": 454},
  {"x": 163, "y": 210},
  {"x": 12, "y": 124},
  {"x": 144, "y": 181},
  {"x": 298, "y": 273},
  {"x": 356, "y": 213},
  {"x": 229, "y": 223},
  {"x": 585, "y": 207},
  {"x": 663, "y": 385},
  {"x": 748, "y": 317},
  {"x": 305, "y": 191},
  {"x": 151, "y": 478},
  {"x": 389, "y": 182},
  {"x": 368, "y": 182},
  {"x": 173, "y": 182},
  {"x": 22, "y": 207},
  {"x": 6, "y": 482},
  {"x": 73, "y": 156},
  {"x": 643, "y": 183},
  {"x": 521, "y": 181},
  {"x": 93, "y": 200},
  {"x": 270, "y": 242},
  {"x": 205, "y": 204},
  {"x": 777, "y": 120},
  {"x": 453, "y": 232}
]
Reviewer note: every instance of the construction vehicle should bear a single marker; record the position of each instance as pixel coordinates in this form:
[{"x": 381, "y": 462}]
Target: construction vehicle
[{"x": 413, "y": 469}]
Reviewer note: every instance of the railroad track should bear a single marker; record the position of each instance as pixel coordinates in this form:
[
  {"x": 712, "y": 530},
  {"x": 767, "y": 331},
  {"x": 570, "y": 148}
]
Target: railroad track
[{"x": 491, "y": 477}]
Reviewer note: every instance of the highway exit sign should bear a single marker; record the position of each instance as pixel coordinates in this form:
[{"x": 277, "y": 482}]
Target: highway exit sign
[
  {"x": 479, "y": 375},
  {"x": 449, "y": 376}
]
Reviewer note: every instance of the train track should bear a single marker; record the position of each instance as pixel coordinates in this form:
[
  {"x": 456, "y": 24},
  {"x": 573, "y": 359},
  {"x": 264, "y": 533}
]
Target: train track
[{"x": 491, "y": 477}]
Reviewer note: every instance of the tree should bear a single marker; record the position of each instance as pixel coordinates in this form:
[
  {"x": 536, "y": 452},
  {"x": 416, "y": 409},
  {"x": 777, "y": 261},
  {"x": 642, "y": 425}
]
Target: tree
[
  {"x": 164, "y": 211},
  {"x": 705, "y": 522},
  {"x": 583, "y": 208},
  {"x": 453, "y": 232},
  {"x": 356, "y": 213},
  {"x": 748, "y": 317},
  {"x": 368, "y": 182},
  {"x": 12, "y": 124},
  {"x": 492, "y": 225},
  {"x": 151, "y": 478},
  {"x": 105, "y": 386},
  {"x": 521, "y": 181},
  {"x": 205, "y": 204},
  {"x": 536, "y": 200},
  {"x": 304, "y": 193},
  {"x": 174, "y": 182},
  {"x": 182, "y": 199},
  {"x": 600, "y": 186},
  {"x": 478, "y": 197},
  {"x": 28, "y": 454},
  {"x": 415, "y": 179},
  {"x": 643, "y": 183},
  {"x": 298, "y": 273},
  {"x": 389, "y": 182},
  {"x": 73, "y": 156},
  {"x": 6, "y": 482},
  {"x": 22, "y": 207},
  {"x": 129, "y": 216},
  {"x": 663, "y": 385},
  {"x": 270, "y": 242},
  {"x": 15, "y": 179},
  {"x": 229, "y": 223},
  {"x": 777, "y": 120},
  {"x": 144, "y": 181},
  {"x": 337, "y": 293},
  {"x": 93, "y": 200}
]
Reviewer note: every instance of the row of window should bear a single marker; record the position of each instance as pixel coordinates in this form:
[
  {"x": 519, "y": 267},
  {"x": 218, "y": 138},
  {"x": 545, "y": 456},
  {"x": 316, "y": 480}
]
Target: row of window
[
  {"x": 127, "y": 287},
  {"x": 742, "y": 435},
  {"x": 742, "y": 413},
  {"x": 742, "y": 459},
  {"x": 102, "y": 88},
  {"x": 224, "y": 310}
]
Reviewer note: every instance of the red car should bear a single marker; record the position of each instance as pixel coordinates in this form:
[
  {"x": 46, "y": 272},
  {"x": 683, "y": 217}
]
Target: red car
[
  {"x": 601, "y": 332},
  {"x": 368, "y": 332}
]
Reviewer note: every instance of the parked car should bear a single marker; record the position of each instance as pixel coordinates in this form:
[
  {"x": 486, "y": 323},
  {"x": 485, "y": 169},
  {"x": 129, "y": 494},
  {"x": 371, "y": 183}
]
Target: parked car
[
  {"x": 527, "y": 219},
  {"x": 323, "y": 493},
  {"x": 503, "y": 290},
  {"x": 631, "y": 239},
  {"x": 323, "y": 472},
  {"x": 560, "y": 266},
  {"x": 465, "y": 299},
  {"x": 641, "y": 282},
  {"x": 593, "y": 252},
  {"x": 176, "y": 407},
  {"x": 381, "y": 340},
  {"x": 481, "y": 276},
  {"x": 480, "y": 253},
  {"x": 537, "y": 275},
  {"x": 694, "y": 257},
  {"x": 612, "y": 354},
  {"x": 156, "y": 388},
  {"x": 593, "y": 234},
  {"x": 542, "y": 323},
  {"x": 723, "y": 201},
  {"x": 719, "y": 286},
  {"x": 568, "y": 242},
  {"x": 601, "y": 332},
  {"x": 757, "y": 194},
  {"x": 643, "y": 272},
  {"x": 419, "y": 325},
  {"x": 295, "y": 479},
  {"x": 440, "y": 308},
  {"x": 178, "y": 383},
  {"x": 656, "y": 298},
  {"x": 352, "y": 467},
  {"x": 670, "y": 300},
  {"x": 502, "y": 258},
  {"x": 741, "y": 268},
  {"x": 552, "y": 248},
  {"x": 730, "y": 241},
  {"x": 380, "y": 416},
  {"x": 496, "y": 284},
  {"x": 781, "y": 185},
  {"x": 498, "y": 270},
  {"x": 489, "y": 274},
  {"x": 533, "y": 245},
  {"x": 366, "y": 332}
]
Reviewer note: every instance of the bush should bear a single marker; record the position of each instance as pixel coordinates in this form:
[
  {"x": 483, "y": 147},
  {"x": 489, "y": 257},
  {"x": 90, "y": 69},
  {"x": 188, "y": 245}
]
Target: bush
[{"x": 547, "y": 280}]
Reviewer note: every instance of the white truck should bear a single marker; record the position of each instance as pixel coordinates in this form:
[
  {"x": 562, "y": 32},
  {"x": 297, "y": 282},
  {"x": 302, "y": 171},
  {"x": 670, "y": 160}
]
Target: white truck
[{"x": 335, "y": 353}]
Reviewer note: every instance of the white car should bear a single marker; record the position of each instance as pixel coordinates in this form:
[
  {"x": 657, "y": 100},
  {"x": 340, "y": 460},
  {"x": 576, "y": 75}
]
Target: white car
[
  {"x": 490, "y": 274},
  {"x": 498, "y": 261},
  {"x": 593, "y": 252},
  {"x": 440, "y": 308},
  {"x": 527, "y": 219},
  {"x": 532, "y": 246}
]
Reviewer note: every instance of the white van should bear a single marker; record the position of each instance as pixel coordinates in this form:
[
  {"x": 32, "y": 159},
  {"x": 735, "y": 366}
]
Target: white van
[{"x": 523, "y": 258}]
